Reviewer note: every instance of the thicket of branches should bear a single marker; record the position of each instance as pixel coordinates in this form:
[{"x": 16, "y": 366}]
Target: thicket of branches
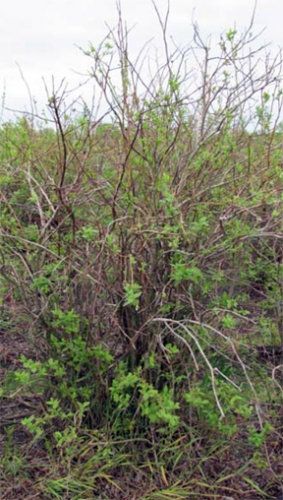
[{"x": 144, "y": 246}]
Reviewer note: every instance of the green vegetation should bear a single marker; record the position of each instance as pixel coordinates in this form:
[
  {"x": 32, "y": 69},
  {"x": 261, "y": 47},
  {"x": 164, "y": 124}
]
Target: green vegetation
[{"x": 143, "y": 259}]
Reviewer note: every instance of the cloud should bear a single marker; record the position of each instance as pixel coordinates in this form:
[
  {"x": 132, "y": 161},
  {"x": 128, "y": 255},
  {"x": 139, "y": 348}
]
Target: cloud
[{"x": 43, "y": 36}]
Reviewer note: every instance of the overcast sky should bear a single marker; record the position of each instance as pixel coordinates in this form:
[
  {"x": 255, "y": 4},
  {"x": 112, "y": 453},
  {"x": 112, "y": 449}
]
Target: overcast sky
[{"x": 42, "y": 36}]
